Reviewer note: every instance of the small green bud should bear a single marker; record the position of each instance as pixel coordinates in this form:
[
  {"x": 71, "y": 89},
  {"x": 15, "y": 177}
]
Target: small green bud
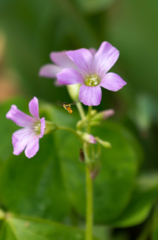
[
  {"x": 103, "y": 143},
  {"x": 86, "y": 137},
  {"x": 93, "y": 112},
  {"x": 84, "y": 122},
  {"x": 101, "y": 116},
  {"x": 49, "y": 127}
]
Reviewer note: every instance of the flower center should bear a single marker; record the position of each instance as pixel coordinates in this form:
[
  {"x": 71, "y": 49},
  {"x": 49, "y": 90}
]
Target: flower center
[
  {"x": 37, "y": 128},
  {"x": 92, "y": 80}
]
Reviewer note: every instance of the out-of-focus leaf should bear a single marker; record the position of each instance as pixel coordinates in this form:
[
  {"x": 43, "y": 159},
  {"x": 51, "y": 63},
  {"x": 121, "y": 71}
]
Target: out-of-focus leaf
[
  {"x": 24, "y": 228},
  {"x": 144, "y": 196},
  {"x": 93, "y": 6},
  {"x": 119, "y": 167}
]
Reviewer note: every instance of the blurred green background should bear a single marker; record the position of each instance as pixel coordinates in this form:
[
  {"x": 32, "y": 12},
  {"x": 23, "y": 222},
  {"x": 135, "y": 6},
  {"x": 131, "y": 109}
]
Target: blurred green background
[{"x": 29, "y": 31}]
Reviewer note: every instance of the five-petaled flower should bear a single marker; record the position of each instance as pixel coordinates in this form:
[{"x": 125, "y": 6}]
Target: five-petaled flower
[
  {"x": 91, "y": 73},
  {"x": 33, "y": 129}
]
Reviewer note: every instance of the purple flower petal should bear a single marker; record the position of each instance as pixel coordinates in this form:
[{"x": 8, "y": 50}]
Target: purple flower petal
[
  {"x": 105, "y": 58},
  {"x": 61, "y": 59},
  {"x": 57, "y": 84},
  {"x": 83, "y": 59},
  {"x": 112, "y": 82},
  {"x": 20, "y": 139},
  {"x": 32, "y": 147},
  {"x": 49, "y": 71},
  {"x": 93, "y": 51},
  {"x": 33, "y": 107},
  {"x": 20, "y": 118},
  {"x": 42, "y": 127},
  {"x": 69, "y": 76},
  {"x": 90, "y": 96}
]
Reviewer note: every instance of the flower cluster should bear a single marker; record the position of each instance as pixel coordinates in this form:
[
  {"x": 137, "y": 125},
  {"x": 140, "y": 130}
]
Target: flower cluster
[{"x": 86, "y": 68}]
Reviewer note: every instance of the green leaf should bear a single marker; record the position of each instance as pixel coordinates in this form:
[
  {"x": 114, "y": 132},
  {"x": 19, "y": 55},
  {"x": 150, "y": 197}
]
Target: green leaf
[
  {"x": 37, "y": 186},
  {"x": 24, "y": 228},
  {"x": 119, "y": 167},
  {"x": 142, "y": 201}
]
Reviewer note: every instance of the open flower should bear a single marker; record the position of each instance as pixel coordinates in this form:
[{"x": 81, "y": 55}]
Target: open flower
[
  {"x": 33, "y": 129},
  {"x": 92, "y": 73}
]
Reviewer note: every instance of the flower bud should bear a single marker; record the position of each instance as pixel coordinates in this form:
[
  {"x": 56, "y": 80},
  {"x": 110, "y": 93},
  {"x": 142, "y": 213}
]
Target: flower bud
[
  {"x": 86, "y": 137},
  {"x": 103, "y": 143},
  {"x": 73, "y": 91},
  {"x": 81, "y": 123},
  {"x": 101, "y": 116},
  {"x": 49, "y": 127},
  {"x": 93, "y": 112}
]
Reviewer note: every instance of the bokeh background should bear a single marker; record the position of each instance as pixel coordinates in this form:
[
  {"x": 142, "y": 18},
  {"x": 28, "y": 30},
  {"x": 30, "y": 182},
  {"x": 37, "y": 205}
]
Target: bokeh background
[{"x": 30, "y": 30}]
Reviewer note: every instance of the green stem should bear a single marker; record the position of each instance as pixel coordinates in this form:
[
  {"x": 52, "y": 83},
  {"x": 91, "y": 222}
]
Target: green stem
[
  {"x": 89, "y": 210},
  {"x": 80, "y": 109},
  {"x": 68, "y": 129},
  {"x": 89, "y": 186}
]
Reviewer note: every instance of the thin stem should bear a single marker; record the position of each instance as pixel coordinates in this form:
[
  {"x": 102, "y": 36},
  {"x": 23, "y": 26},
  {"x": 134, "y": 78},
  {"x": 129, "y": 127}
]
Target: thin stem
[
  {"x": 68, "y": 129},
  {"x": 89, "y": 210},
  {"x": 89, "y": 186},
  {"x": 80, "y": 109},
  {"x": 89, "y": 119}
]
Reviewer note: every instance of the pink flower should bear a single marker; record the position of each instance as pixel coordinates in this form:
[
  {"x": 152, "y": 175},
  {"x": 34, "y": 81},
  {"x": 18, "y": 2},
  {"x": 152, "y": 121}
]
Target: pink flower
[
  {"x": 61, "y": 61},
  {"x": 33, "y": 129},
  {"x": 92, "y": 73}
]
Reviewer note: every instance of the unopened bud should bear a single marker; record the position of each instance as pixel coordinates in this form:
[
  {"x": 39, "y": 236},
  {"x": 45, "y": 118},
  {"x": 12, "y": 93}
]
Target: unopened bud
[
  {"x": 93, "y": 112},
  {"x": 86, "y": 137},
  {"x": 81, "y": 123},
  {"x": 103, "y": 143},
  {"x": 101, "y": 116},
  {"x": 84, "y": 122},
  {"x": 50, "y": 127},
  {"x": 73, "y": 91}
]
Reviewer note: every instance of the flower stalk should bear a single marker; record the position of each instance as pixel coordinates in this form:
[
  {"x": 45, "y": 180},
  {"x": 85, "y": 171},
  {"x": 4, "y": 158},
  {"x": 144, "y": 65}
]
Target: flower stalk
[{"x": 89, "y": 186}]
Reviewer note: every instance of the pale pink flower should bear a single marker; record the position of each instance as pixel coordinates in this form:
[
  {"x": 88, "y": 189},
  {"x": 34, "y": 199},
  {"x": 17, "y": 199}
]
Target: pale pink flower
[
  {"x": 33, "y": 129},
  {"x": 92, "y": 73}
]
